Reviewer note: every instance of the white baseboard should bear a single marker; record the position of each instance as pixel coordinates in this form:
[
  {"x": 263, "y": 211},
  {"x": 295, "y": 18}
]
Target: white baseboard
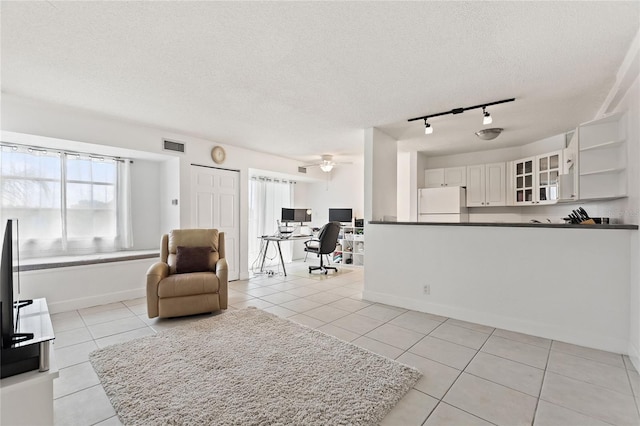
[
  {"x": 549, "y": 331},
  {"x": 99, "y": 299}
]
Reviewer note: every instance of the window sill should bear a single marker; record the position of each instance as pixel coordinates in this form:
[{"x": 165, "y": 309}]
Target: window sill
[{"x": 91, "y": 259}]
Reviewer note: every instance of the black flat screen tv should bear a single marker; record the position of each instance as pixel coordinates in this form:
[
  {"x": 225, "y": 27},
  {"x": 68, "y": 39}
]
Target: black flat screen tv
[
  {"x": 340, "y": 215},
  {"x": 10, "y": 287}
]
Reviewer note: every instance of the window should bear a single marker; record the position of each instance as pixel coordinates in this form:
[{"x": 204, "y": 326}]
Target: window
[
  {"x": 267, "y": 196},
  {"x": 67, "y": 203}
]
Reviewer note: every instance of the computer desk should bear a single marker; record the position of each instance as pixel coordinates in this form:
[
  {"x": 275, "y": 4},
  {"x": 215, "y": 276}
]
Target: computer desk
[{"x": 276, "y": 239}]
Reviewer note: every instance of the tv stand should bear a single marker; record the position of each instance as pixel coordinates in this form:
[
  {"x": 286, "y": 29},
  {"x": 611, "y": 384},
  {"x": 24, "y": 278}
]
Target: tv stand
[
  {"x": 28, "y": 349},
  {"x": 27, "y": 396},
  {"x": 9, "y": 341}
]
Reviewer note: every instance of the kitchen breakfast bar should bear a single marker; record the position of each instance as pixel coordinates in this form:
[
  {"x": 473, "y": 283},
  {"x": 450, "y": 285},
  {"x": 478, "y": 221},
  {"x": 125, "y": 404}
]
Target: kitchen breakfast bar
[{"x": 566, "y": 282}]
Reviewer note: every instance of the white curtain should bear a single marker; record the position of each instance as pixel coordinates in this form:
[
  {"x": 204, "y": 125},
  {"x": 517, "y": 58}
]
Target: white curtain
[
  {"x": 267, "y": 197},
  {"x": 31, "y": 185},
  {"x": 66, "y": 203},
  {"x": 125, "y": 228}
]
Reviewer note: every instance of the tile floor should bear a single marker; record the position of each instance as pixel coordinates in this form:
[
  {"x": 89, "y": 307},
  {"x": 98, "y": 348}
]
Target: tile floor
[{"x": 472, "y": 374}]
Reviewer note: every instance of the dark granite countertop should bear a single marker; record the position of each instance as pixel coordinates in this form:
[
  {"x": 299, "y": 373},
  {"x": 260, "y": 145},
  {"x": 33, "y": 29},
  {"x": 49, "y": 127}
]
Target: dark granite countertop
[{"x": 511, "y": 225}]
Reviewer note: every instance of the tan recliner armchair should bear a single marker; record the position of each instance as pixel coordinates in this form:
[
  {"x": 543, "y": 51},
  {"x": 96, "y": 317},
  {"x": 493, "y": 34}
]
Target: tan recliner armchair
[{"x": 172, "y": 290}]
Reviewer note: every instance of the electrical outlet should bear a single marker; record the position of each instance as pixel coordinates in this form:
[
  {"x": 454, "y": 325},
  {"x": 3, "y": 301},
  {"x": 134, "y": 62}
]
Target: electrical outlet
[{"x": 427, "y": 289}]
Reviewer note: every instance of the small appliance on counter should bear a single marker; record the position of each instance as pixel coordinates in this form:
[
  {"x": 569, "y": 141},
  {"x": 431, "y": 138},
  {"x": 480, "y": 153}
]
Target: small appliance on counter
[{"x": 444, "y": 205}]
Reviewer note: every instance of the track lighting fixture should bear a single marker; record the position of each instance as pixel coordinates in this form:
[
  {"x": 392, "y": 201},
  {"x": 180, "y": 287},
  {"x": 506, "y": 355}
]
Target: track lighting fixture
[
  {"x": 486, "y": 117},
  {"x": 427, "y": 128}
]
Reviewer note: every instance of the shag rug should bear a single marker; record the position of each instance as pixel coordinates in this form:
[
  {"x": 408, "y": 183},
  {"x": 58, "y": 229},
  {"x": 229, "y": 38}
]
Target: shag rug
[{"x": 249, "y": 367}]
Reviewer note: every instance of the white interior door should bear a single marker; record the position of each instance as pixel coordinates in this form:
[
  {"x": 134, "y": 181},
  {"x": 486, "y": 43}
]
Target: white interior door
[{"x": 215, "y": 203}]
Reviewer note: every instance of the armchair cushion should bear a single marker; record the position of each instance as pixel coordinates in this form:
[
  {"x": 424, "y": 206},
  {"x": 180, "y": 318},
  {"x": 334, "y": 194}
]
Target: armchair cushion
[
  {"x": 192, "y": 259},
  {"x": 192, "y": 238},
  {"x": 181, "y": 285}
]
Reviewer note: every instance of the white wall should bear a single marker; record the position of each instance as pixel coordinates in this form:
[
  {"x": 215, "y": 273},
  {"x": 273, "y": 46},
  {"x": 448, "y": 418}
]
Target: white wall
[
  {"x": 145, "y": 204},
  {"x": 82, "y": 286},
  {"x": 380, "y": 175},
  {"x": 630, "y": 210},
  {"x": 564, "y": 284},
  {"x": 113, "y": 135},
  {"x": 542, "y": 146},
  {"x": 471, "y": 158},
  {"x": 405, "y": 186},
  {"x": 169, "y": 190},
  {"x": 341, "y": 188}
]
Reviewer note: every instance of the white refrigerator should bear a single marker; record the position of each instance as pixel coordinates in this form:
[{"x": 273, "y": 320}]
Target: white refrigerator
[{"x": 445, "y": 205}]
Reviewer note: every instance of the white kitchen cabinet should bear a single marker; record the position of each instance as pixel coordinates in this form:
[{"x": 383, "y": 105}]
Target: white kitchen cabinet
[
  {"x": 486, "y": 185},
  {"x": 603, "y": 158},
  {"x": 433, "y": 178},
  {"x": 450, "y": 176},
  {"x": 536, "y": 179}
]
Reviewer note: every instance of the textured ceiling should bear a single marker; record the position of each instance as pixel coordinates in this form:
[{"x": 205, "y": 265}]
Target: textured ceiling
[{"x": 303, "y": 79}]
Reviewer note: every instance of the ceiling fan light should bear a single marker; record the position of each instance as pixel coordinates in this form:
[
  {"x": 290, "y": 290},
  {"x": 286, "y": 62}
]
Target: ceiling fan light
[
  {"x": 326, "y": 166},
  {"x": 489, "y": 134}
]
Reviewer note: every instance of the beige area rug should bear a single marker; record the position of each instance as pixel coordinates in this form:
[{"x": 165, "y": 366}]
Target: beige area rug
[{"x": 249, "y": 367}]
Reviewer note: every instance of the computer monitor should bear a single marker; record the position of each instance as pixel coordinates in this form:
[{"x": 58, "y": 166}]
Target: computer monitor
[
  {"x": 295, "y": 215},
  {"x": 288, "y": 215},
  {"x": 302, "y": 215},
  {"x": 340, "y": 215}
]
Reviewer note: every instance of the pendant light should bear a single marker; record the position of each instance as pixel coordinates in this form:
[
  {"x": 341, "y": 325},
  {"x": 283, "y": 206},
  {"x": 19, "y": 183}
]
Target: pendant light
[{"x": 489, "y": 134}]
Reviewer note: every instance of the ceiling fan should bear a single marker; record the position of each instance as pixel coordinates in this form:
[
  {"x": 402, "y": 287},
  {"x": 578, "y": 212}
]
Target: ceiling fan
[{"x": 327, "y": 163}]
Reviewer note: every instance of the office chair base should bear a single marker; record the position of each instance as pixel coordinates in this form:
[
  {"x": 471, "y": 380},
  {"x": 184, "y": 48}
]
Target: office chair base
[{"x": 324, "y": 269}]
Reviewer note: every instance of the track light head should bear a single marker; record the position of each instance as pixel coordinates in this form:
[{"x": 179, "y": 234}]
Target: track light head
[
  {"x": 486, "y": 117},
  {"x": 427, "y": 128}
]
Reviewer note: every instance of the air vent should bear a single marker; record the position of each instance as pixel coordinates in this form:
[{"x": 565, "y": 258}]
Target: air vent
[
  {"x": 173, "y": 146},
  {"x": 302, "y": 169}
]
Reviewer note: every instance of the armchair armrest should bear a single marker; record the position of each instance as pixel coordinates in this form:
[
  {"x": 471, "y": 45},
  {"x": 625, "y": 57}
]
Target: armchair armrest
[
  {"x": 222, "y": 272},
  {"x": 156, "y": 273}
]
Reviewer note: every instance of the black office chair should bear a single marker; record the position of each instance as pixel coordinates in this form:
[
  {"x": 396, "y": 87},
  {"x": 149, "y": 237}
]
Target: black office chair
[{"x": 324, "y": 244}]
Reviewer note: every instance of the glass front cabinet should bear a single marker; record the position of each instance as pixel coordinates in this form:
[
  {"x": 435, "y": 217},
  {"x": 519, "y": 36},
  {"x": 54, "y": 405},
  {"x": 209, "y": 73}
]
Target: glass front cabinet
[{"x": 536, "y": 179}]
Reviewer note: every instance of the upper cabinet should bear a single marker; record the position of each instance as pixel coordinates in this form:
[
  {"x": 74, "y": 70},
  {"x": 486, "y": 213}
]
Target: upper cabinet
[
  {"x": 486, "y": 185},
  {"x": 535, "y": 179},
  {"x": 451, "y": 176},
  {"x": 603, "y": 158}
]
